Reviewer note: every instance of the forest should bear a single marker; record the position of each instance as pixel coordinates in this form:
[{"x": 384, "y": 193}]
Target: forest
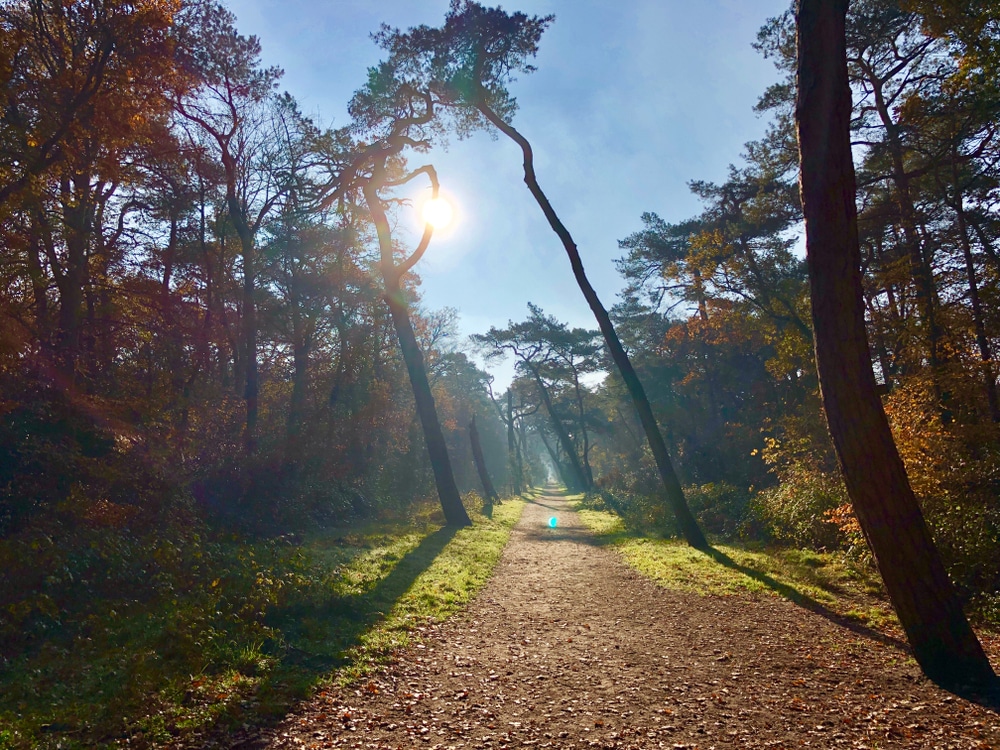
[{"x": 227, "y": 410}]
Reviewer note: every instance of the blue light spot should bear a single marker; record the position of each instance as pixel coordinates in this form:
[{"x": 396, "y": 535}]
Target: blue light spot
[{"x": 552, "y": 522}]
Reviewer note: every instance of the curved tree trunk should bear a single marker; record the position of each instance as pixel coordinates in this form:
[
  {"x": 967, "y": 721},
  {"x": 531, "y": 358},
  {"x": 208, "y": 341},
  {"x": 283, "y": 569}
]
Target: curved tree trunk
[
  {"x": 671, "y": 484},
  {"x": 918, "y": 586}
]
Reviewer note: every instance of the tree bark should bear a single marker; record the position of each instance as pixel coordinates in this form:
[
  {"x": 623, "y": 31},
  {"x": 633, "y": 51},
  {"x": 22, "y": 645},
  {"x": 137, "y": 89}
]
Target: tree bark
[
  {"x": 671, "y": 484},
  {"x": 477, "y": 456},
  {"x": 921, "y": 593}
]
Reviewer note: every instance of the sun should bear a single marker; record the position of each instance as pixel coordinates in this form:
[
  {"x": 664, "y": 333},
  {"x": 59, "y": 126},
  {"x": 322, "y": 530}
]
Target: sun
[{"x": 438, "y": 213}]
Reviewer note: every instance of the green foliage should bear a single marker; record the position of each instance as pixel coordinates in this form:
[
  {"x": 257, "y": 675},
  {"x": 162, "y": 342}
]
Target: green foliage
[
  {"x": 719, "y": 508},
  {"x": 798, "y": 511},
  {"x": 108, "y": 634}
]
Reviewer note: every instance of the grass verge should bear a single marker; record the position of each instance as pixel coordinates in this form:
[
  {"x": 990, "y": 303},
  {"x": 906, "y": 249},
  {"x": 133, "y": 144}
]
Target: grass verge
[
  {"x": 226, "y": 632},
  {"x": 821, "y": 581}
]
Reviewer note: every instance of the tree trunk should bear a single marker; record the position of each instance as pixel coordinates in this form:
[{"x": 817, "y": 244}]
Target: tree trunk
[
  {"x": 36, "y": 271},
  {"x": 982, "y": 340},
  {"x": 516, "y": 480},
  {"x": 578, "y": 482},
  {"x": 918, "y": 586},
  {"x": 920, "y": 267},
  {"x": 77, "y": 214},
  {"x": 672, "y": 486},
  {"x": 588, "y": 472},
  {"x": 444, "y": 477},
  {"x": 249, "y": 328},
  {"x": 297, "y": 402},
  {"x": 556, "y": 463},
  {"x": 477, "y": 456},
  {"x": 521, "y": 447}
]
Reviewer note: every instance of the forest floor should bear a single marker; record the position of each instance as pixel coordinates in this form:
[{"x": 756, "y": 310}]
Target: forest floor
[{"x": 568, "y": 647}]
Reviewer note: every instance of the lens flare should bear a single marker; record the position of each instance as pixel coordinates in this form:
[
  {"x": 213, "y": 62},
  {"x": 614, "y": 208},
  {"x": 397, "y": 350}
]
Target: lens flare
[
  {"x": 552, "y": 522},
  {"x": 438, "y": 213}
]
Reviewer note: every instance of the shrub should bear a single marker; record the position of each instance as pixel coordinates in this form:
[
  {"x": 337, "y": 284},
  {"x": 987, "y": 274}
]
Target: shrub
[
  {"x": 720, "y": 508},
  {"x": 799, "y": 511}
]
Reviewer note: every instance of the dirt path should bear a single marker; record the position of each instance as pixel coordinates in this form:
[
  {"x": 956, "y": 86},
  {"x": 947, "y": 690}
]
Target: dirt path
[{"x": 567, "y": 647}]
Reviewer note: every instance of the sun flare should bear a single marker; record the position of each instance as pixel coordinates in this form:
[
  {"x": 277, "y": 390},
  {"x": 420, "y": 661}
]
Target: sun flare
[{"x": 438, "y": 213}]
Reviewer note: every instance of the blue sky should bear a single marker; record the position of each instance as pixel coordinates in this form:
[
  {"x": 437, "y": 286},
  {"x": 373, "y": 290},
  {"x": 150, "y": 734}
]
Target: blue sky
[{"x": 631, "y": 100}]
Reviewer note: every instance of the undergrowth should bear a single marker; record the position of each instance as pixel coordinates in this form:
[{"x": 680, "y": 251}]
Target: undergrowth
[{"x": 109, "y": 637}]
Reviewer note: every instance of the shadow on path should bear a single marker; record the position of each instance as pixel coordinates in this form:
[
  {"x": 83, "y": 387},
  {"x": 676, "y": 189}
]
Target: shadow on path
[
  {"x": 806, "y": 602},
  {"x": 989, "y": 698}
]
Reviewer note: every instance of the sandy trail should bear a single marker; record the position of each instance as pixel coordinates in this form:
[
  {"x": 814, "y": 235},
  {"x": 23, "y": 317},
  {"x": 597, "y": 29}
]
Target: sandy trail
[{"x": 567, "y": 647}]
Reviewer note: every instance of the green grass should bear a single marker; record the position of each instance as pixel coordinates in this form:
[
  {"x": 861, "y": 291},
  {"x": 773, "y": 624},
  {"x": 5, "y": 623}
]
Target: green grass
[
  {"x": 816, "y": 580},
  {"x": 228, "y": 632}
]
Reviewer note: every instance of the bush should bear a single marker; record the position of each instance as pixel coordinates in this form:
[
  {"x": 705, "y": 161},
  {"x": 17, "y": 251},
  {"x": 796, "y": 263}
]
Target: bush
[
  {"x": 720, "y": 508},
  {"x": 954, "y": 469},
  {"x": 800, "y": 511}
]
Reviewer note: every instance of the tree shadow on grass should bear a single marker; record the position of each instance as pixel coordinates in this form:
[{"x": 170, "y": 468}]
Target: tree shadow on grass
[
  {"x": 316, "y": 638},
  {"x": 806, "y": 602},
  {"x": 351, "y": 616},
  {"x": 560, "y": 492},
  {"x": 782, "y": 589},
  {"x": 550, "y": 507},
  {"x": 988, "y": 698}
]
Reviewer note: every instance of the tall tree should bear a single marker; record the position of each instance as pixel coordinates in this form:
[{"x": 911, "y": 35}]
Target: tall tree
[
  {"x": 392, "y": 276},
  {"x": 233, "y": 103},
  {"x": 533, "y": 343},
  {"x": 396, "y": 116},
  {"x": 480, "y": 460},
  {"x": 469, "y": 62},
  {"x": 943, "y": 642}
]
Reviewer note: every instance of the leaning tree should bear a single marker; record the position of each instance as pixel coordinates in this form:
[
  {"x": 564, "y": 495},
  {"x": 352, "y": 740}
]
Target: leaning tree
[
  {"x": 394, "y": 117},
  {"x": 915, "y": 578},
  {"x": 468, "y": 63}
]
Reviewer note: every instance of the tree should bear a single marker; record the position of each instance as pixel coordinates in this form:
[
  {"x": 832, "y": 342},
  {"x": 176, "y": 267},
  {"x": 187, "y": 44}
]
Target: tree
[
  {"x": 468, "y": 63},
  {"x": 477, "y": 456},
  {"x": 943, "y": 642},
  {"x": 392, "y": 275},
  {"x": 85, "y": 87},
  {"x": 73, "y": 71},
  {"x": 232, "y": 104},
  {"x": 395, "y": 115},
  {"x": 537, "y": 352}
]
